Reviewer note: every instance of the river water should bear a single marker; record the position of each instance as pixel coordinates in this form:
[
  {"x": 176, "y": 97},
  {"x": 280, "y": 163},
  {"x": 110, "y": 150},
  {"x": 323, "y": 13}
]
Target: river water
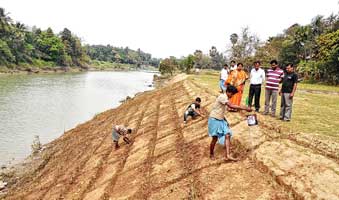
[{"x": 47, "y": 105}]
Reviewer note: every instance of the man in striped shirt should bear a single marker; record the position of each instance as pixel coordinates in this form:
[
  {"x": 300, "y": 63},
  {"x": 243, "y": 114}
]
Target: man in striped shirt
[{"x": 274, "y": 77}]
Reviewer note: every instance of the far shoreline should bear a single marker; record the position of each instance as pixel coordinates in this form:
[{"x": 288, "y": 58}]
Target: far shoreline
[{"x": 62, "y": 70}]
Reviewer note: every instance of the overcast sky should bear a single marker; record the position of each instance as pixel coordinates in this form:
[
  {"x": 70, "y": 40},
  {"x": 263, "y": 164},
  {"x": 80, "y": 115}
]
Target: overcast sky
[{"x": 167, "y": 27}]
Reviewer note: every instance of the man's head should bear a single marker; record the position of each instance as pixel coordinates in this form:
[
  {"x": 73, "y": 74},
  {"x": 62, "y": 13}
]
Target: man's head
[
  {"x": 274, "y": 64},
  {"x": 289, "y": 68},
  {"x": 240, "y": 66},
  {"x": 256, "y": 65},
  {"x": 129, "y": 131},
  {"x": 231, "y": 90},
  {"x": 198, "y": 100},
  {"x": 225, "y": 66},
  {"x": 232, "y": 63}
]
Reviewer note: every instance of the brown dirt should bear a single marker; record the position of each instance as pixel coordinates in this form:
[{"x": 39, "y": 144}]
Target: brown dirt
[{"x": 165, "y": 160}]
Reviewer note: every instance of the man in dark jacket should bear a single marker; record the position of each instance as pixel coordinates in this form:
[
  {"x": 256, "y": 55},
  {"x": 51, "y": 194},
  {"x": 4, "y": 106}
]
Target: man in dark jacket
[{"x": 288, "y": 88}]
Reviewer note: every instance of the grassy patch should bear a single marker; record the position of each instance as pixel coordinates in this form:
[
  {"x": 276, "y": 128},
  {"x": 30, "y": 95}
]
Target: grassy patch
[
  {"x": 312, "y": 113},
  {"x": 103, "y": 65},
  {"x": 320, "y": 87}
]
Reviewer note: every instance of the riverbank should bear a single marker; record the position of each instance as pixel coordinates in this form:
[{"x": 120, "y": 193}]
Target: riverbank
[
  {"x": 50, "y": 117},
  {"x": 51, "y": 70},
  {"x": 170, "y": 161}
]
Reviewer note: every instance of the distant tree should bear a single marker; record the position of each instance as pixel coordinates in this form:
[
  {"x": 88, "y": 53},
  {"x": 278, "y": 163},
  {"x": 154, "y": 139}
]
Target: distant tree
[
  {"x": 5, "y": 23},
  {"x": 328, "y": 56},
  {"x": 198, "y": 59},
  {"x": 269, "y": 50},
  {"x": 244, "y": 47},
  {"x": 168, "y": 66},
  {"x": 217, "y": 58},
  {"x": 234, "y": 38},
  {"x": 187, "y": 63}
]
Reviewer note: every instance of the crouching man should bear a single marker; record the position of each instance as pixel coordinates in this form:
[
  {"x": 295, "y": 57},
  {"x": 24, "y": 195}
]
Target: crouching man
[
  {"x": 120, "y": 131},
  {"x": 193, "y": 110}
]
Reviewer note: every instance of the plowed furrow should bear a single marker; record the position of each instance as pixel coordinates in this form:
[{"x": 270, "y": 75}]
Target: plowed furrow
[{"x": 109, "y": 190}]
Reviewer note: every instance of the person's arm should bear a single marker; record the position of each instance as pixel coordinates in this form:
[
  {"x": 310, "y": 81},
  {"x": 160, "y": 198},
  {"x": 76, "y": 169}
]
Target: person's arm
[
  {"x": 263, "y": 76},
  {"x": 294, "y": 87},
  {"x": 198, "y": 112},
  {"x": 281, "y": 77},
  {"x": 293, "y": 91},
  {"x": 225, "y": 102},
  {"x": 233, "y": 106},
  {"x": 229, "y": 79}
]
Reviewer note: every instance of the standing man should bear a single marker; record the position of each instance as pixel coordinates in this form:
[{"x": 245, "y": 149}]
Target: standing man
[
  {"x": 288, "y": 88},
  {"x": 223, "y": 77},
  {"x": 274, "y": 77},
  {"x": 233, "y": 65},
  {"x": 257, "y": 77}
]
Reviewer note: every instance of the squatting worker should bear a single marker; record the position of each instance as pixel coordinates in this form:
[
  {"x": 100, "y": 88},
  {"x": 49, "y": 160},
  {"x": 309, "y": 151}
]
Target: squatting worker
[
  {"x": 193, "y": 110},
  {"x": 223, "y": 77},
  {"x": 288, "y": 88},
  {"x": 120, "y": 131},
  {"x": 218, "y": 127},
  {"x": 257, "y": 78}
]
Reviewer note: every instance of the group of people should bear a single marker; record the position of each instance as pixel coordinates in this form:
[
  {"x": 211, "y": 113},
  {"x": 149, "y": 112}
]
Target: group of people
[
  {"x": 257, "y": 75},
  {"x": 232, "y": 82}
]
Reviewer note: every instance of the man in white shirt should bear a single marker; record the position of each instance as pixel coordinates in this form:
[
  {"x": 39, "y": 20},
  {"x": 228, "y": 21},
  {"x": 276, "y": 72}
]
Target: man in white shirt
[
  {"x": 233, "y": 65},
  {"x": 223, "y": 77},
  {"x": 257, "y": 77}
]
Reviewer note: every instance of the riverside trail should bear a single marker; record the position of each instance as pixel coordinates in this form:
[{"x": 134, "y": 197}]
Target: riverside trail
[{"x": 168, "y": 161}]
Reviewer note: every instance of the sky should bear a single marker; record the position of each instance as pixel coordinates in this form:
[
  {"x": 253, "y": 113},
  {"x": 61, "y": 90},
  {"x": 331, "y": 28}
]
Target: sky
[{"x": 167, "y": 27}]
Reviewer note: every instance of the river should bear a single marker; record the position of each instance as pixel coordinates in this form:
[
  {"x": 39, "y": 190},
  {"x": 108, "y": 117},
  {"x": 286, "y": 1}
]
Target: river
[{"x": 47, "y": 105}]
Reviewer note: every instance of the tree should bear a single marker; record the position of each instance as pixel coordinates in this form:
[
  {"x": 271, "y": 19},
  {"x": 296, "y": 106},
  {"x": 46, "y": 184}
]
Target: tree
[
  {"x": 51, "y": 46},
  {"x": 5, "y": 21},
  {"x": 187, "y": 63},
  {"x": 6, "y": 56},
  {"x": 168, "y": 66},
  {"x": 244, "y": 48},
  {"x": 217, "y": 59},
  {"x": 234, "y": 39},
  {"x": 328, "y": 56},
  {"x": 269, "y": 50}
]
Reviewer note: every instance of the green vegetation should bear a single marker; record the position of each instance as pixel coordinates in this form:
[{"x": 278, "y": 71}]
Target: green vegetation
[
  {"x": 120, "y": 55},
  {"x": 313, "y": 48},
  {"x": 105, "y": 65},
  {"x": 214, "y": 60},
  {"x": 22, "y": 48},
  {"x": 312, "y": 113}
]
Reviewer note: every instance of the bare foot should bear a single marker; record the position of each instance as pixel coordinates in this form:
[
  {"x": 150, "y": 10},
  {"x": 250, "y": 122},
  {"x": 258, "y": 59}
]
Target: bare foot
[
  {"x": 230, "y": 158},
  {"x": 117, "y": 147},
  {"x": 212, "y": 157}
]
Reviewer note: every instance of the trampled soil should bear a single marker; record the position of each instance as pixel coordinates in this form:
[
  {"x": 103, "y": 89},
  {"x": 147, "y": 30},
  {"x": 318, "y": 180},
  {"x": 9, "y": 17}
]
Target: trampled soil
[{"x": 164, "y": 161}]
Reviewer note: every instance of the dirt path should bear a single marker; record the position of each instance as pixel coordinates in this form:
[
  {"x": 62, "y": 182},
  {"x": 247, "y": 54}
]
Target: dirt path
[{"x": 165, "y": 159}]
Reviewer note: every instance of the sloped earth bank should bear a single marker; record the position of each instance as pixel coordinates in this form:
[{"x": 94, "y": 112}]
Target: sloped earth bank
[{"x": 170, "y": 161}]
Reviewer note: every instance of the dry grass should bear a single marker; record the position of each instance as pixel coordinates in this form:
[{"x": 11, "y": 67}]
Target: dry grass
[{"x": 312, "y": 113}]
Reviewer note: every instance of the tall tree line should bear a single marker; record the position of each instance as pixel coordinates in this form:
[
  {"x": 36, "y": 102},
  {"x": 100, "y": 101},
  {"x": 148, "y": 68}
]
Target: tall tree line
[
  {"x": 24, "y": 46},
  {"x": 313, "y": 48}
]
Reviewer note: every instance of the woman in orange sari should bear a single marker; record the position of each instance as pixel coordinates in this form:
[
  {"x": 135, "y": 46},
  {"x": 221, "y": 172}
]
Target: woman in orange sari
[{"x": 237, "y": 79}]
